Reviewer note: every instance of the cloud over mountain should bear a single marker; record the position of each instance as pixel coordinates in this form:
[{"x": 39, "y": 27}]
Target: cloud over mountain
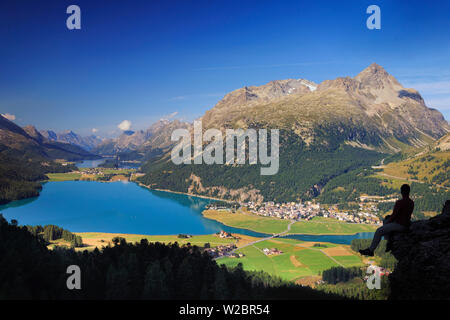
[{"x": 125, "y": 125}]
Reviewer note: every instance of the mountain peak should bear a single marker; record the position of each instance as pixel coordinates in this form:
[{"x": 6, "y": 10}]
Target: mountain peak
[
  {"x": 49, "y": 135},
  {"x": 69, "y": 132},
  {"x": 34, "y": 133},
  {"x": 374, "y": 70},
  {"x": 377, "y": 77},
  {"x": 30, "y": 127}
]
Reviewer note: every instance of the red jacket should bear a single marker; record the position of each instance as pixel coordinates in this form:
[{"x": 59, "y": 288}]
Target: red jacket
[{"x": 402, "y": 212}]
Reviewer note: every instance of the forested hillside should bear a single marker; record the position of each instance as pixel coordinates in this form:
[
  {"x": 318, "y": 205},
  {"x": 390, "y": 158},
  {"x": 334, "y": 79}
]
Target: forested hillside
[
  {"x": 51, "y": 232},
  {"x": 303, "y": 172},
  {"x": 19, "y": 177},
  {"x": 26, "y": 156}
]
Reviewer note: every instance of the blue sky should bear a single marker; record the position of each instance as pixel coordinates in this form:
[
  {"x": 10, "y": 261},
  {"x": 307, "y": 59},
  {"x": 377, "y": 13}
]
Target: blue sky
[{"x": 145, "y": 60}]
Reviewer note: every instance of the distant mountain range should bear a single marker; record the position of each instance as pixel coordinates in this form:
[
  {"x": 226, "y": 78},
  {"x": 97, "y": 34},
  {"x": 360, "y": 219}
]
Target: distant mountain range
[
  {"x": 326, "y": 131},
  {"x": 88, "y": 143},
  {"x": 26, "y": 157},
  {"x": 142, "y": 145},
  {"x": 28, "y": 141}
]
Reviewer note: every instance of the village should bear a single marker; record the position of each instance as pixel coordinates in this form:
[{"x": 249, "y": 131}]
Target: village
[
  {"x": 366, "y": 213},
  {"x": 106, "y": 174}
]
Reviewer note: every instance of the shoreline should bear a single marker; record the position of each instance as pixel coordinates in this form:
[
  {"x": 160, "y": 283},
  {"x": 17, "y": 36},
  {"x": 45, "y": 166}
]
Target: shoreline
[
  {"x": 206, "y": 197},
  {"x": 179, "y": 192}
]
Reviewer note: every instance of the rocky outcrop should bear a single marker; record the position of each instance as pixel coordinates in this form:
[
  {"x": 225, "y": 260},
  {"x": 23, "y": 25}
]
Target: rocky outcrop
[{"x": 423, "y": 254}]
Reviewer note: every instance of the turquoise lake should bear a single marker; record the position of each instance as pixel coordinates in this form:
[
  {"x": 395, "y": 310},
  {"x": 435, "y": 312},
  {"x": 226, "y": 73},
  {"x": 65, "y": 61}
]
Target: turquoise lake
[{"x": 118, "y": 207}]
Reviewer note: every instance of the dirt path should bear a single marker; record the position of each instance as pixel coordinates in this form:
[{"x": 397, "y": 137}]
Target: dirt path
[
  {"x": 308, "y": 247},
  {"x": 332, "y": 258},
  {"x": 411, "y": 180},
  {"x": 295, "y": 262}
]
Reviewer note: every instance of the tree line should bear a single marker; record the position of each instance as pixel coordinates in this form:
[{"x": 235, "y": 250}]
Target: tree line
[
  {"x": 52, "y": 232},
  {"x": 341, "y": 274},
  {"x": 350, "y": 283}
]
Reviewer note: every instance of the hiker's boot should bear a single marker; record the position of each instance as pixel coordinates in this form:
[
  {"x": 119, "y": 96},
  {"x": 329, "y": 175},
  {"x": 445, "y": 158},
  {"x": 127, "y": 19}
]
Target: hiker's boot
[{"x": 366, "y": 252}]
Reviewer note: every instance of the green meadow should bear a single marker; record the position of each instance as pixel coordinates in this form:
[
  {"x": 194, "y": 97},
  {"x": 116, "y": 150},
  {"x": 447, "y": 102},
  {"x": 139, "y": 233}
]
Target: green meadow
[
  {"x": 320, "y": 225},
  {"x": 248, "y": 221},
  {"x": 63, "y": 176},
  {"x": 299, "y": 259},
  {"x": 316, "y": 226}
]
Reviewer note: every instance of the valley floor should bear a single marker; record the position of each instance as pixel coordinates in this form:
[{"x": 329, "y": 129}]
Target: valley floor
[
  {"x": 293, "y": 260},
  {"x": 317, "y": 226}
]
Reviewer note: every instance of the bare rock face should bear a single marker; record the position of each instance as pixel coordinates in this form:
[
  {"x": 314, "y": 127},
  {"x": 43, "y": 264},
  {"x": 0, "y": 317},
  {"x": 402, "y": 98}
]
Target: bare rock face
[
  {"x": 423, "y": 254},
  {"x": 443, "y": 143}
]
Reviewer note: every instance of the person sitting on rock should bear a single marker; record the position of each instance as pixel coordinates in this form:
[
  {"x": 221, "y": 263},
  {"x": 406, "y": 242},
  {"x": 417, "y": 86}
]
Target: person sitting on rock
[{"x": 399, "y": 221}]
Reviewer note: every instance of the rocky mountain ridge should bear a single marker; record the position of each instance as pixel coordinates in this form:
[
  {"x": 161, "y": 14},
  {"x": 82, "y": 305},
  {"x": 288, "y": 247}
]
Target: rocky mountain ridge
[
  {"x": 376, "y": 110},
  {"x": 17, "y": 141},
  {"x": 88, "y": 142}
]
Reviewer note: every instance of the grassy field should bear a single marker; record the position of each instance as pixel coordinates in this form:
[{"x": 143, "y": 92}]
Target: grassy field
[
  {"x": 63, "y": 176},
  {"x": 320, "y": 225},
  {"x": 268, "y": 225},
  {"x": 247, "y": 221},
  {"x": 92, "y": 240},
  {"x": 298, "y": 260}
]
